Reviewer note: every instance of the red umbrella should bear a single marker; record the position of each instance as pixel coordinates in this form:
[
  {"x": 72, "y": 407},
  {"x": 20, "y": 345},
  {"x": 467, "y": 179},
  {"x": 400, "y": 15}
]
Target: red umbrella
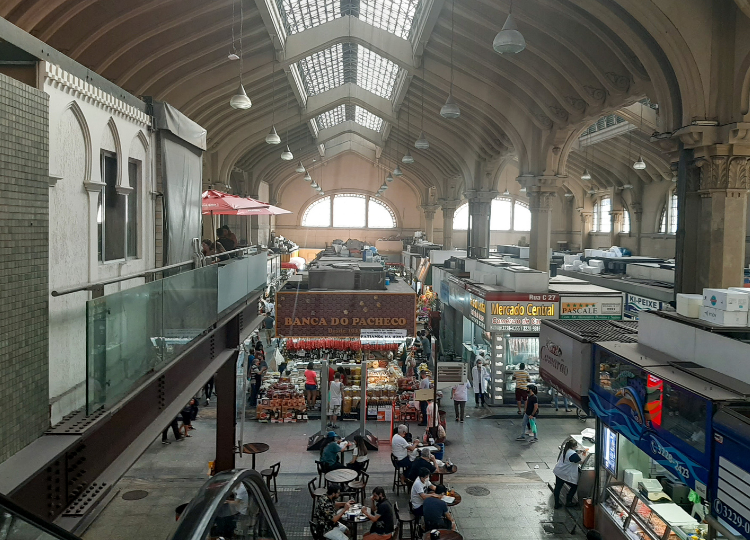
[
  {"x": 267, "y": 210},
  {"x": 218, "y": 203}
]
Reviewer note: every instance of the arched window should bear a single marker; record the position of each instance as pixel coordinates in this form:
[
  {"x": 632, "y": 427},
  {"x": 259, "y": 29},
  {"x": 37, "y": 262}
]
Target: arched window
[
  {"x": 501, "y": 214},
  {"x": 351, "y": 211},
  {"x": 461, "y": 218},
  {"x": 318, "y": 214},
  {"x": 521, "y": 217},
  {"x": 626, "y": 222},
  {"x": 602, "y": 218},
  {"x": 668, "y": 221}
]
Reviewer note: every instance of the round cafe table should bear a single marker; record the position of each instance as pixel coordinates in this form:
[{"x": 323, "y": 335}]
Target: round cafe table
[
  {"x": 441, "y": 473},
  {"x": 352, "y": 522},
  {"x": 445, "y": 534},
  {"x": 340, "y": 476},
  {"x": 456, "y": 502},
  {"x": 254, "y": 448}
]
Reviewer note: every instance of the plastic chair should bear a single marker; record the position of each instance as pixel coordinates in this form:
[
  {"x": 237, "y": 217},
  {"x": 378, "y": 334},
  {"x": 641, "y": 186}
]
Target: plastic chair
[
  {"x": 401, "y": 521},
  {"x": 315, "y": 493},
  {"x": 269, "y": 475},
  {"x": 359, "y": 486}
]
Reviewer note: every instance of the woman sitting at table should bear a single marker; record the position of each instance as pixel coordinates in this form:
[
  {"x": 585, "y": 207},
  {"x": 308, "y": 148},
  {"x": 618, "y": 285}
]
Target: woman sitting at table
[
  {"x": 329, "y": 453},
  {"x": 359, "y": 457}
]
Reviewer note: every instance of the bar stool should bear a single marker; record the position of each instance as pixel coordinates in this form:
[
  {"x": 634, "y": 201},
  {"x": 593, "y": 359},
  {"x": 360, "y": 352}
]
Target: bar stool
[
  {"x": 409, "y": 521},
  {"x": 269, "y": 475},
  {"x": 315, "y": 494},
  {"x": 359, "y": 486},
  {"x": 398, "y": 483}
]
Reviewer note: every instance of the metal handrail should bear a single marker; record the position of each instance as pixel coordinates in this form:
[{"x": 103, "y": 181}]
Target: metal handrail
[{"x": 97, "y": 288}]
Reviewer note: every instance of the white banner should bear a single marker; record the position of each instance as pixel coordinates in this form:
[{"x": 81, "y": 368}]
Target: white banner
[{"x": 382, "y": 335}]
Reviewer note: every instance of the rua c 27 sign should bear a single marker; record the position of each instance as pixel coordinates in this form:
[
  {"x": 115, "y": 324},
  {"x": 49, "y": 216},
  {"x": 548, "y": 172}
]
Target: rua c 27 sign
[{"x": 326, "y": 314}]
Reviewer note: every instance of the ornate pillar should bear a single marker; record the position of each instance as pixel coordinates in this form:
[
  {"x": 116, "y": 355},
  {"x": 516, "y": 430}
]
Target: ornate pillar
[
  {"x": 723, "y": 190},
  {"x": 636, "y": 224},
  {"x": 429, "y": 220},
  {"x": 449, "y": 210},
  {"x": 586, "y": 221},
  {"x": 480, "y": 205},
  {"x": 540, "y": 190},
  {"x": 616, "y": 228}
]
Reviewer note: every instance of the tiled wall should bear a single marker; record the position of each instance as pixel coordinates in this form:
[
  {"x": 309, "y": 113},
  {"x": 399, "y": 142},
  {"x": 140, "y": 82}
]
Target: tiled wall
[{"x": 24, "y": 289}]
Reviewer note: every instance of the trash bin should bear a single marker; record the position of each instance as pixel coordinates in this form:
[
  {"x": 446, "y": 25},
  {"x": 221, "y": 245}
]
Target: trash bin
[
  {"x": 179, "y": 510},
  {"x": 588, "y": 514},
  {"x": 440, "y": 452}
]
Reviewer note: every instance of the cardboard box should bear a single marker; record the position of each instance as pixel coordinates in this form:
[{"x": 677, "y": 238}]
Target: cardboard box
[
  {"x": 689, "y": 305},
  {"x": 725, "y": 299},
  {"x": 723, "y": 318}
]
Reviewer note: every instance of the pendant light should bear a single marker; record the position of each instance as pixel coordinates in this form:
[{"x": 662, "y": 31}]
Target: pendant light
[
  {"x": 389, "y": 178},
  {"x": 422, "y": 143},
  {"x": 287, "y": 155},
  {"x": 640, "y": 164},
  {"x": 273, "y": 137},
  {"x": 240, "y": 100},
  {"x": 300, "y": 168},
  {"x": 450, "y": 110},
  {"x": 509, "y": 40},
  {"x": 408, "y": 159},
  {"x": 397, "y": 171},
  {"x": 233, "y": 53},
  {"x": 586, "y": 174},
  {"x": 307, "y": 177},
  {"x": 314, "y": 185}
]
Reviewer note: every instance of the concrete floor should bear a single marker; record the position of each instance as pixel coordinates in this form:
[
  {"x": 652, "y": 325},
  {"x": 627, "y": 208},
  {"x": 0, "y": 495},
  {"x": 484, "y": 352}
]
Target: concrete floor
[{"x": 518, "y": 507}]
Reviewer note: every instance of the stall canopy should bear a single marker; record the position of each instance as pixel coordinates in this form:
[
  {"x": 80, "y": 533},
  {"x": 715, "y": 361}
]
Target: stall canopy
[{"x": 219, "y": 203}]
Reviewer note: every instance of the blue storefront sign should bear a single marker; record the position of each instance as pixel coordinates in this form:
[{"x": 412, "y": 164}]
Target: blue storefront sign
[
  {"x": 634, "y": 304},
  {"x": 730, "y": 492}
]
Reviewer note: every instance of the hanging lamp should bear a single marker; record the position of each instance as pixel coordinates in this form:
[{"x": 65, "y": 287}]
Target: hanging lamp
[
  {"x": 397, "y": 171},
  {"x": 314, "y": 185},
  {"x": 240, "y": 100},
  {"x": 307, "y": 177},
  {"x": 422, "y": 143},
  {"x": 408, "y": 159},
  {"x": 300, "y": 168},
  {"x": 389, "y": 178},
  {"x": 273, "y": 136},
  {"x": 450, "y": 110},
  {"x": 586, "y": 175},
  {"x": 640, "y": 164},
  {"x": 506, "y": 192},
  {"x": 287, "y": 155},
  {"x": 233, "y": 53},
  {"x": 509, "y": 40}
]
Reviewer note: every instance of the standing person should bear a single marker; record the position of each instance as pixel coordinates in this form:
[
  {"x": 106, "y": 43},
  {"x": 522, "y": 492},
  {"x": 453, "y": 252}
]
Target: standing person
[
  {"x": 381, "y": 514},
  {"x": 255, "y": 379},
  {"x": 459, "y": 395},
  {"x": 186, "y": 415},
  {"x": 566, "y": 471},
  {"x": 557, "y": 395},
  {"x": 421, "y": 490},
  {"x": 522, "y": 379},
  {"x": 229, "y": 234},
  {"x": 426, "y": 348},
  {"x": 433, "y": 420},
  {"x": 436, "y": 513},
  {"x": 479, "y": 376},
  {"x": 424, "y": 384},
  {"x": 175, "y": 429},
  {"x": 208, "y": 389},
  {"x": 359, "y": 455},
  {"x": 311, "y": 386},
  {"x": 269, "y": 324},
  {"x": 341, "y": 371},
  {"x": 326, "y": 516},
  {"x": 400, "y": 447},
  {"x": 334, "y": 402},
  {"x": 532, "y": 408}
]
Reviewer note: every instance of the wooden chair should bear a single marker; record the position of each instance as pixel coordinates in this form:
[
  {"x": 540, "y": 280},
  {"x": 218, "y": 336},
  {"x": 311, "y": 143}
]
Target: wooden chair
[
  {"x": 316, "y": 531},
  {"x": 315, "y": 494},
  {"x": 270, "y": 475},
  {"x": 321, "y": 471},
  {"x": 408, "y": 521},
  {"x": 398, "y": 471},
  {"x": 418, "y": 529},
  {"x": 359, "y": 486}
]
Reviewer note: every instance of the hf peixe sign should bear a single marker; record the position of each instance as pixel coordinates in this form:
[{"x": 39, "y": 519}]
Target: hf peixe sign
[{"x": 329, "y": 314}]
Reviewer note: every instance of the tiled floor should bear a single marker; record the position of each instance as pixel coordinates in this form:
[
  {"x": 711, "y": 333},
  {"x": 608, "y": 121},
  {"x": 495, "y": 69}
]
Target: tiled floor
[{"x": 518, "y": 506}]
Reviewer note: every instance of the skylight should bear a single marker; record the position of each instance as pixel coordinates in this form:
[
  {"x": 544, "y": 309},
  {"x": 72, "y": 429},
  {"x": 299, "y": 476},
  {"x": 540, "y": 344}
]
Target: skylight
[
  {"x": 394, "y": 16},
  {"x": 348, "y": 63},
  {"x": 342, "y": 113}
]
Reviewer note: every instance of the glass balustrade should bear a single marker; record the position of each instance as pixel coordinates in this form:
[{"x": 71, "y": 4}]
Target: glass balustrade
[{"x": 137, "y": 331}]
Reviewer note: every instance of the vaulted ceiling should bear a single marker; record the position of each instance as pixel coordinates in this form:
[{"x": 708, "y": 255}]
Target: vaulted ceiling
[{"x": 375, "y": 73}]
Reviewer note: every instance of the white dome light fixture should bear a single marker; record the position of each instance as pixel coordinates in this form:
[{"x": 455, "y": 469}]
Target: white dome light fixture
[
  {"x": 509, "y": 40},
  {"x": 321, "y": 192},
  {"x": 287, "y": 155},
  {"x": 422, "y": 143},
  {"x": 389, "y": 178},
  {"x": 300, "y": 168},
  {"x": 450, "y": 110},
  {"x": 586, "y": 175},
  {"x": 591, "y": 192},
  {"x": 273, "y": 137},
  {"x": 569, "y": 195},
  {"x": 397, "y": 171},
  {"x": 314, "y": 185},
  {"x": 506, "y": 192},
  {"x": 408, "y": 159},
  {"x": 233, "y": 56},
  {"x": 240, "y": 100},
  {"x": 307, "y": 178},
  {"x": 640, "y": 164}
]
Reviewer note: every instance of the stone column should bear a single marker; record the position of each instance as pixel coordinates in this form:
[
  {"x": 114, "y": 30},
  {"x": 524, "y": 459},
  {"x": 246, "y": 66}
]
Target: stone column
[
  {"x": 616, "y": 226},
  {"x": 586, "y": 222},
  {"x": 480, "y": 205},
  {"x": 540, "y": 205},
  {"x": 723, "y": 190},
  {"x": 449, "y": 210},
  {"x": 429, "y": 220},
  {"x": 636, "y": 224}
]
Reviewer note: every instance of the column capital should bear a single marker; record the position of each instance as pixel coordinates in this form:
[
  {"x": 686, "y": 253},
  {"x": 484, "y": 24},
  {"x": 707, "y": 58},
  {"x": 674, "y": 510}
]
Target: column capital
[
  {"x": 449, "y": 204},
  {"x": 540, "y": 200},
  {"x": 616, "y": 216},
  {"x": 476, "y": 196},
  {"x": 722, "y": 169},
  {"x": 429, "y": 210},
  {"x": 586, "y": 217}
]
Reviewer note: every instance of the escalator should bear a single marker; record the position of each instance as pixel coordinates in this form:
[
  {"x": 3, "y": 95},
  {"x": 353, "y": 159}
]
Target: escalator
[{"x": 231, "y": 505}]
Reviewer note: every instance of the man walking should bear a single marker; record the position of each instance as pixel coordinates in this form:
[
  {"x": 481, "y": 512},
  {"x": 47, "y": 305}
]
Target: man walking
[
  {"x": 459, "y": 394},
  {"x": 532, "y": 408},
  {"x": 268, "y": 325},
  {"x": 424, "y": 384},
  {"x": 479, "y": 376}
]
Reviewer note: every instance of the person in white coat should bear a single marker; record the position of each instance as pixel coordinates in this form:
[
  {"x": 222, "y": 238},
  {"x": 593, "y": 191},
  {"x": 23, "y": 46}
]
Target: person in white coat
[
  {"x": 566, "y": 471},
  {"x": 479, "y": 376}
]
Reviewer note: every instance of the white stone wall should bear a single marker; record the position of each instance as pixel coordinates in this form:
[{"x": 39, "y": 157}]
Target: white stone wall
[{"x": 84, "y": 120}]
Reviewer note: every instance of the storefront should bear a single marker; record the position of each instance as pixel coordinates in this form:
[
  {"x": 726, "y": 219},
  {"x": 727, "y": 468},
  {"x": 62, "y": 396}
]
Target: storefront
[{"x": 654, "y": 422}]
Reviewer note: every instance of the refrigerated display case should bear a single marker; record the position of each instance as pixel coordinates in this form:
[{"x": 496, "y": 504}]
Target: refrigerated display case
[{"x": 635, "y": 518}]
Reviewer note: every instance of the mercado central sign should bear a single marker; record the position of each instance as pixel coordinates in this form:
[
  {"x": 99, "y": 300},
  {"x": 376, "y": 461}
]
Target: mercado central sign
[{"x": 343, "y": 314}]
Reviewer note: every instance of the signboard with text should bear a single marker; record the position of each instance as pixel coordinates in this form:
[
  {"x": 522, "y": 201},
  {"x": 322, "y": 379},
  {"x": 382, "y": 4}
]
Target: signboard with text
[
  {"x": 335, "y": 314},
  {"x": 591, "y": 307},
  {"x": 520, "y": 312}
]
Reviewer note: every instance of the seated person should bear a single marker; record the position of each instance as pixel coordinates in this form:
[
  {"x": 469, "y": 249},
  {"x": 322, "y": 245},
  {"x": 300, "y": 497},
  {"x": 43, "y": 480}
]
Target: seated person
[
  {"x": 400, "y": 448},
  {"x": 326, "y": 516},
  {"x": 421, "y": 490},
  {"x": 381, "y": 515},
  {"x": 436, "y": 513},
  {"x": 329, "y": 454},
  {"x": 426, "y": 460}
]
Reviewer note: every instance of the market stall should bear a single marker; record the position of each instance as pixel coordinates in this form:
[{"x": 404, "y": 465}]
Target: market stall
[{"x": 655, "y": 422}]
